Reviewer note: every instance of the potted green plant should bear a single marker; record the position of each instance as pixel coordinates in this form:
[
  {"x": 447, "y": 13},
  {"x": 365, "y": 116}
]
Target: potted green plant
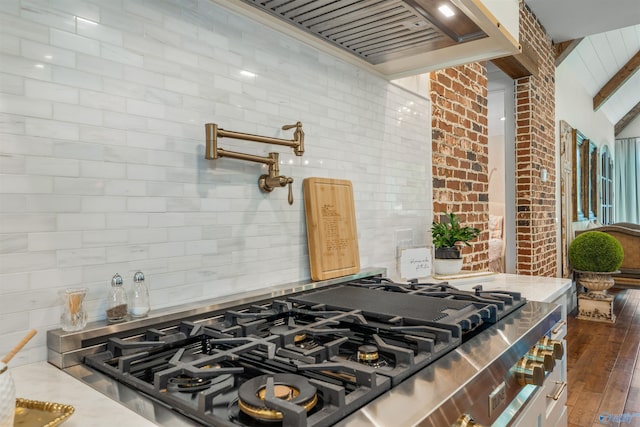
[
  {"x": 595, "y": 256},
  {"x": 448, "y": 237}
]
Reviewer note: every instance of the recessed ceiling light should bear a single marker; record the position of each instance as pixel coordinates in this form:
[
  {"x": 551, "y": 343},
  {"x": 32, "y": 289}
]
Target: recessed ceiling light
[
  {"x": 247, "y": 73},
  {"x": 502, "y": 118},
  {"x": 446, "y": 11},
  {"x": 39, "y": 66}
]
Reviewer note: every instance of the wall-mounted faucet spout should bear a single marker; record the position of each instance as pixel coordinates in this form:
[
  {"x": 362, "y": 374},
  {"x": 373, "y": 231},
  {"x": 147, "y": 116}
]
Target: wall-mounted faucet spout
[{"x": 268, "y": 181}]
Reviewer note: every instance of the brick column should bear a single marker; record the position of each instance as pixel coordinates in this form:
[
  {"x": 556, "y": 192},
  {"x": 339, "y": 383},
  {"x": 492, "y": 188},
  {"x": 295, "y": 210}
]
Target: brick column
[
  {"x": 535, "y": 150},
  {"x": 460, "y": 147}
]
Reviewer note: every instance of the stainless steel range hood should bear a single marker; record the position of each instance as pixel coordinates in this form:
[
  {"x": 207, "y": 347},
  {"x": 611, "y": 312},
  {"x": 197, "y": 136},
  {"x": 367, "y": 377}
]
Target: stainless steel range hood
[{"x": 395, "y": 38}]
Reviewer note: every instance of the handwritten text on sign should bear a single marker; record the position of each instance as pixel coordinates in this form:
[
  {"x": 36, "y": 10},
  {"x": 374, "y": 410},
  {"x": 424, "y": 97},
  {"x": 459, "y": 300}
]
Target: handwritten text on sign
[{"x": 415, "y": 263}]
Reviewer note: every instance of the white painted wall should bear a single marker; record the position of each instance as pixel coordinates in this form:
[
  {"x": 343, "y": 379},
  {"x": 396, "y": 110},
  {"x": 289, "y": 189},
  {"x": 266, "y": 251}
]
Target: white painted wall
[
  {"x": 102, "y": 113},
  {"x": 575, "y": 106}
]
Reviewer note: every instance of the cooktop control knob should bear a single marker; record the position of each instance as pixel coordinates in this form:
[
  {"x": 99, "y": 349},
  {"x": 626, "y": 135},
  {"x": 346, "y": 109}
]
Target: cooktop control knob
[
  {"x": 465, "y": 420},
  {"x": 545, "y": 357},
  {"x": 554, "y": 346},
  {"x": 529, "y": 372}
]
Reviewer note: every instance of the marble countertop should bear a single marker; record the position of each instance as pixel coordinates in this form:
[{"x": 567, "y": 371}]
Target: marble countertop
[
  {"x": 44, "y": 382},
  {"x": 533, "y": 288}
]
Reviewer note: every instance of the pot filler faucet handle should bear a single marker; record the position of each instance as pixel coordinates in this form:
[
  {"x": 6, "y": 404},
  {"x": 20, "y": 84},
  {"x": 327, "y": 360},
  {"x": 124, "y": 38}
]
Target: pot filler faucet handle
[{"x": 272, "y": 180}]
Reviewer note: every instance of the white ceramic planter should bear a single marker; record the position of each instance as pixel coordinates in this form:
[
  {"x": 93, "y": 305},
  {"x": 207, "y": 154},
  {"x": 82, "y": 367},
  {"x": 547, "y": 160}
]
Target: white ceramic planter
[{"x": 445, "y": 267}]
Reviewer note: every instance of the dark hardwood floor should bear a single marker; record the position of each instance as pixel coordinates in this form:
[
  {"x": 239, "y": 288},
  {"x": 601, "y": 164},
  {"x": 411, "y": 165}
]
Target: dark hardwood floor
[{"x": 602, "y": 374}]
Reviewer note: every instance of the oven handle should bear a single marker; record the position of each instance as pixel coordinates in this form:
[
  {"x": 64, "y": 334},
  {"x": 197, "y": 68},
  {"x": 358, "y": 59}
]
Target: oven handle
[
  {"x": 558, "y": 326},
  {"x": 563, "y": 385}
]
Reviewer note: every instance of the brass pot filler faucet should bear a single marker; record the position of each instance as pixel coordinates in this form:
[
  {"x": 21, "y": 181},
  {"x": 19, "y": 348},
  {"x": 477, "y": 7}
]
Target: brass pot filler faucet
[{"x": 266, "y": 182}]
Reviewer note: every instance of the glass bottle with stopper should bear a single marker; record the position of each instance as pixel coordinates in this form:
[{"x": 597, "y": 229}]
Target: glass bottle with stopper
[
  {"x": 139, "y": 296},
  {"x": 117, "y": 304}
]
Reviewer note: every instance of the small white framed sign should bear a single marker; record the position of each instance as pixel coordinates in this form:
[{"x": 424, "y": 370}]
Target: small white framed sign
[{"x": 414, "y": 262}]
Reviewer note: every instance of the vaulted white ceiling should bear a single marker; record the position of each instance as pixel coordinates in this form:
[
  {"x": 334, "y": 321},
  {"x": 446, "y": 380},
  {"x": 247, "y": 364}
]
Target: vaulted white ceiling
[
  {"x": 611, "y": 31},
  {"x": 600, "y": 57}
]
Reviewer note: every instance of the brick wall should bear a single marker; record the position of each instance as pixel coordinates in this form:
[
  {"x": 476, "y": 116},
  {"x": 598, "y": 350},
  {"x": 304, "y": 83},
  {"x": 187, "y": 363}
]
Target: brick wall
[
  {"x": 460, "y": 147},
  {"x": 535, "y": 150}
]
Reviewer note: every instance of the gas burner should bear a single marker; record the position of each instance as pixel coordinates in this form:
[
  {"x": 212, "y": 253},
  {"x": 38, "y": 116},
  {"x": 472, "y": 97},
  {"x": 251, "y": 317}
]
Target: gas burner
[
  {"x": 258, "y": 397},
  {"x": 368, "y": 354},
  {"x": 283, "y": 329},
  {"x": 187, "y": 384}
]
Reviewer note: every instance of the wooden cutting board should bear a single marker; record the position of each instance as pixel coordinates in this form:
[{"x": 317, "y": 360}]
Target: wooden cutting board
[{"x": 331, "y": 228}]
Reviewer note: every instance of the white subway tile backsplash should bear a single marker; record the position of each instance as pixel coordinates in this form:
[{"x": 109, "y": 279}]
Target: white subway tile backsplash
[
  {"x": 19, "y": 105},
  {"x": 11, "y": 84},
  {"x": 146, "y": 172},
  {"x": 71, "y": 41},
  {"x": 78, "y": 186},
  {"x": 10, "y": 6},
  {"x": 14, "y": 242},
  {"x": 98, "y": 31},
  {"x": 179, "y": 234},
  {"x": 51, "y": 166},
  {"x": 148, "y": 235},
  {"x": 13, "y": 321},
  {"x": 127, "y": 253},
  {"x": 25, "y": 184},
  {"x": 36, "y": 89},
  {"x": 42, "y": 14},
  {"x": 103, "y": 101},
  {"x": 24, "y": 29},
  {"x": 12, "y": 203},
  {"x": 76, "y": 78},
  {"x": 146, "y": 204},
  {"x": 102, "y": 153},
  {"x": 47, "y": 53},
  {"x": 19, "y": 262},
  {"x": 105, "y": 238},
  {"x": 130, "y": 24},
  {"x": 54, "y": 240},
  {"x": 125, "y": 188},
  {"x": 124, "y": 121},
  {"x": 181, "y": 86},
  {"x": 100, "y": 66},
  {"x": 15, "y": 282},
  {"x": 143, "y": 10},
  {"x": 167, "y": 220},
  {"x": 107, "y": 138},
  {"x": 143, "y": 77},
  {"x": 127, "y": 220},
  {"x": 79, "y": 257},
  {"x": 80, "y": 221},
  {"x": 12, "y": 164},
  {"x": 103, "y": 204},
  {"x": 82, "y": 9},
  {"x": 51, "y": 203},
  {"x": 120, "y": 55},
  {"x": 101, "y": 169},
  {"x": 146, "y": 109}
]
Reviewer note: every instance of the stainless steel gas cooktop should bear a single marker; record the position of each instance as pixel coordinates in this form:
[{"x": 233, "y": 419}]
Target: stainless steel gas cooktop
[{"x": 307, "y": 357}]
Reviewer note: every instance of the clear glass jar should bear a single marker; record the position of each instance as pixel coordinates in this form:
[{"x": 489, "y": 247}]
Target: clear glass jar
[
  {"x": 117, "y": 304},
  {"x": 139, "y": 296},
  {"x": 74, "y": 317}
]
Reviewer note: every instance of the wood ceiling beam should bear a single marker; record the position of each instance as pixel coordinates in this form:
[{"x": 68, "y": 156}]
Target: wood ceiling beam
[
  {"x": 520, "y": 65},
  {"x": 628, "y": 118},
  {"x": 563, "y": 49},
  {"x": 616, "y": 81}
]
